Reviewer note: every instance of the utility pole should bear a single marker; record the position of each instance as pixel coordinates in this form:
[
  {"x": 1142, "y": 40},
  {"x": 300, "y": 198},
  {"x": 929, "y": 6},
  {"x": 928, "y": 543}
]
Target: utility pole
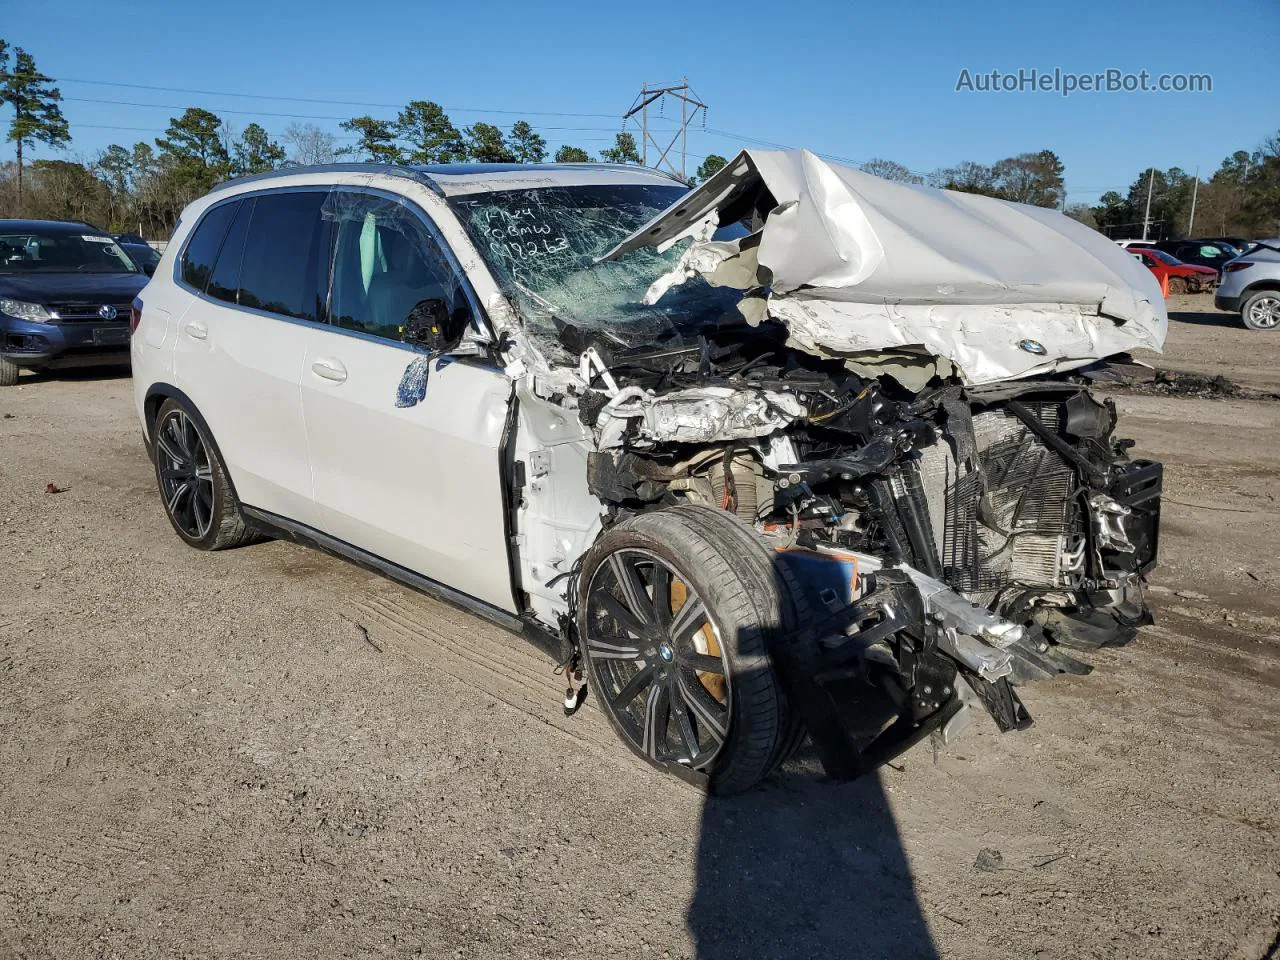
[
  {"x": 1191, "y": 223},
  {"x": 1146, "y": 216},
  {"x": 690, "y": 105}
]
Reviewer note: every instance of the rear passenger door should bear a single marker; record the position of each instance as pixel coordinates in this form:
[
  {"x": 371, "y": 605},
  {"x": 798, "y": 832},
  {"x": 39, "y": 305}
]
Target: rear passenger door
[
  {"x": 240, "y": 345},
  {"x": 418, "y": 484}
]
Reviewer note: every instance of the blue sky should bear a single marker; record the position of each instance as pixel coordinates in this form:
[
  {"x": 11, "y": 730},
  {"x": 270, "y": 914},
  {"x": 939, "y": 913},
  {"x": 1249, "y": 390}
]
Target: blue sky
[{"x": 850, "y": 79}]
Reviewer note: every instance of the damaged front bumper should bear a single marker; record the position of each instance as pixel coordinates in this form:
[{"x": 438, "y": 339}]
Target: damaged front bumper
[
  {"x": 886, "y": 655},
  {"x": 905, "y": 658}
]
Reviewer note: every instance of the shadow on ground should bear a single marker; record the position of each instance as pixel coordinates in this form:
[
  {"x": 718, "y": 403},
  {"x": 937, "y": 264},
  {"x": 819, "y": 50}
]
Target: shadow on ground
[
  {"x": 805, "y": 867},
  {"x": 115, "y": 371},
  {"x": 1207, "y": 318}
]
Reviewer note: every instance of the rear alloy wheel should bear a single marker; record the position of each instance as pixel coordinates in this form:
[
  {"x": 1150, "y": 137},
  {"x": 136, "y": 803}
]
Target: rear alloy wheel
[
  {"x": 1262, "y": 310},
  {"x": 198, "y": 497},
  {"x": 675, "y": 618}
]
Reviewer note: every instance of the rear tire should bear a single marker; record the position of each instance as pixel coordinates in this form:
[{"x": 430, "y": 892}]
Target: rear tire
[
  {"x": 8, "y": 372},
  {"x": 731, "y": 721},
  {"x": 196, "y": 492},
  {"x": 1261, "y": 311}
]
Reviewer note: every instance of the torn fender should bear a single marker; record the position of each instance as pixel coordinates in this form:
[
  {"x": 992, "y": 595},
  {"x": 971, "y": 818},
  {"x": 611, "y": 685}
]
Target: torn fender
[{"x": 857, "y": 265}]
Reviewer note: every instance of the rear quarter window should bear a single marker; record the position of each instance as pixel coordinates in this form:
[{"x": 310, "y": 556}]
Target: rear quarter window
[
  {"x": 202, "y": 249},
  {"x": 225, "y": 280}
]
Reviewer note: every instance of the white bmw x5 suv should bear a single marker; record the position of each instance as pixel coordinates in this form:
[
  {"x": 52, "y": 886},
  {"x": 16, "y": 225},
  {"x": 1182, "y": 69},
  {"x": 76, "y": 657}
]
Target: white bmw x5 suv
[{"x": 801, "y": 451}]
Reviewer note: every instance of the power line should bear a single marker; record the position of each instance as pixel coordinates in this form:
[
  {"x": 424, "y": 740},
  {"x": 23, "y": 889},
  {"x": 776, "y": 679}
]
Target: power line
[
  {"x": 343, "y": 137},
  {"x": 743, "y": 138},
  {"x": 268, "y": 113},
  {"x": 740, "y": 138},
  {"x": 365, "y": 103},
  {"x": 316, "y": 100}
]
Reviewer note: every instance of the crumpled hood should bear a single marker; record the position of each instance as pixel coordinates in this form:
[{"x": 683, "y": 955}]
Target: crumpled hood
[{"x": 861, "y": 267}]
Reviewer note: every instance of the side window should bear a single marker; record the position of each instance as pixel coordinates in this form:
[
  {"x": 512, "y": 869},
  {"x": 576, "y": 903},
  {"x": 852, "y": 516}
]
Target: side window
[
  {"x": 202, "y": 248},
  {"x": 225, "y": 279},
  {"x": 280, "y": 268},
  {"x": 1210, "y": 252},
  {"x": 389, "y": 276}
]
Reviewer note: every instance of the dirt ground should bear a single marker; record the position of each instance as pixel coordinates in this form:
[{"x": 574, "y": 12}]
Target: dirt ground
[{"x": 271, "y": 753}]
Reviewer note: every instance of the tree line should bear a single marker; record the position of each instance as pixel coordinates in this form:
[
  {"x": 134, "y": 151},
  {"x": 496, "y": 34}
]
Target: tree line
[
  {"x": 1242, "y": 198},
  {"x": 143, "y": 188},
  {"x": 1035, "y": 178}
]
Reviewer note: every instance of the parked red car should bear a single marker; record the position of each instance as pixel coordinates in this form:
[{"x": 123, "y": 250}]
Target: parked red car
[{"x": 1182, "y": 277}]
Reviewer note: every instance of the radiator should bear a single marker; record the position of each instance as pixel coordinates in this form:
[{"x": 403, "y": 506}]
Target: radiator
[{"x": 1017, "y": 534}]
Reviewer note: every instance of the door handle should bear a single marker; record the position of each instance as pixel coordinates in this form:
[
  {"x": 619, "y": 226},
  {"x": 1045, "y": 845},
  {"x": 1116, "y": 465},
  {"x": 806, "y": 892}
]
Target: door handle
[
  {"x": 197, "y": 330},
  {"x": 329, "y": 369}
]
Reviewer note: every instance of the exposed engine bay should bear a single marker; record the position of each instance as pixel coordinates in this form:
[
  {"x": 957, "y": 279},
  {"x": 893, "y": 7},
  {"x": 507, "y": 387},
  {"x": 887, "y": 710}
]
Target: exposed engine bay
[
  {"x": 1008, "y": 517},
  {"x": 937, "y": 483}
]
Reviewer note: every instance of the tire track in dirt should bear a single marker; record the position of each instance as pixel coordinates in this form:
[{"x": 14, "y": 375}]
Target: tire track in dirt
[
  {"x": 484, "y": 657},
  {"x": 1253, "y": 663}
]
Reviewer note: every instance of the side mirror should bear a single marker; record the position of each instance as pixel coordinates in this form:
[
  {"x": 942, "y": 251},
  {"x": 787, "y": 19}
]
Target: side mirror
[
  {"x": 149, "y": 269},
  {"x": 431, "y": 325},
  {"x": 428, "y": 325}
]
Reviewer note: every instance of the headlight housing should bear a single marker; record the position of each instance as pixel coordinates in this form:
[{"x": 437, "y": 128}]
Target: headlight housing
[{"x": 23, "y": 310}]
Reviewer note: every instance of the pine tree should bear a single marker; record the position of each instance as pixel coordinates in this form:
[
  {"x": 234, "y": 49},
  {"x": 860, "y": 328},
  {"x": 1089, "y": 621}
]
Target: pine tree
[
  {"x": 525, "y": 144},
  {"x": 37, "y": 117},
  {"x": 377, "y": 139},
  {"x": 624, "y": 150},
  {"x": 431, "y": 135}
]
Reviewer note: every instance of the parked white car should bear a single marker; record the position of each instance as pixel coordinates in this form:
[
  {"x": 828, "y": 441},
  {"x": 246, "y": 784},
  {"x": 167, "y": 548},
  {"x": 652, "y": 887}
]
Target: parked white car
[{"x": 800, "y": 451}]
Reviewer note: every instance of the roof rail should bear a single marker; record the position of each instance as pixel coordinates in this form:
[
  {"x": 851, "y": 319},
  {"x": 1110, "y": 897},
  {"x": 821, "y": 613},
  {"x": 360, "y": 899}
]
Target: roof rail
[
  {"x": 386, "y": 169},
  {"x": 423, "y": 174}
]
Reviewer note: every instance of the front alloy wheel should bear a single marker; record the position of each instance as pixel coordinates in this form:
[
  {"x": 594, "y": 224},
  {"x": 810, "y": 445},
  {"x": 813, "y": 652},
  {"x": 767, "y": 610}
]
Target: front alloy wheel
[
  {"x": 677, "y": 612},
  {"x": 657, "y": 656}
]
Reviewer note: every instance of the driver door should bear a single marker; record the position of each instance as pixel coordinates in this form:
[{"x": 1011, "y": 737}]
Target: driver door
[{"x": 419, "y": 484}]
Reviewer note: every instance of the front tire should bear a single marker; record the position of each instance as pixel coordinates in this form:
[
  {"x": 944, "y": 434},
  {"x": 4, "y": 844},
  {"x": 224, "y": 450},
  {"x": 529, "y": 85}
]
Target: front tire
[
  {"x": 8, "y": 372},
  {"x": 197, "y": 493},
  {"x": 677, "y": 611},
  {"x": 1261, "y": 311}
]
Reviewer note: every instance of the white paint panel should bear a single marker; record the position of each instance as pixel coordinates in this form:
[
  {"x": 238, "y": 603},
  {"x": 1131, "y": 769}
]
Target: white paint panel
[
  {"x": 243, "y": 378},
  {"x": 421, "y": 485}
]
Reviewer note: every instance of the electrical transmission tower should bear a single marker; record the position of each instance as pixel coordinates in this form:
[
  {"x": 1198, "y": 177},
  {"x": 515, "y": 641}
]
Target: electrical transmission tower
[{"x": 690, "y": 106}]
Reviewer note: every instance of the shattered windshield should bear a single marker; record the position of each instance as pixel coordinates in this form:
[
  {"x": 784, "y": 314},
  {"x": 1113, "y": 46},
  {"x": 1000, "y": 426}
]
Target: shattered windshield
[{"x": 541, "y": 244}]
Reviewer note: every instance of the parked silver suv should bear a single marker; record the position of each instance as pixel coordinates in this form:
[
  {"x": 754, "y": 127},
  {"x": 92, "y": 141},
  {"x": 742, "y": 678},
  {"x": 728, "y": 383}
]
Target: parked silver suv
[{"x": 1251, "y": 286}]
